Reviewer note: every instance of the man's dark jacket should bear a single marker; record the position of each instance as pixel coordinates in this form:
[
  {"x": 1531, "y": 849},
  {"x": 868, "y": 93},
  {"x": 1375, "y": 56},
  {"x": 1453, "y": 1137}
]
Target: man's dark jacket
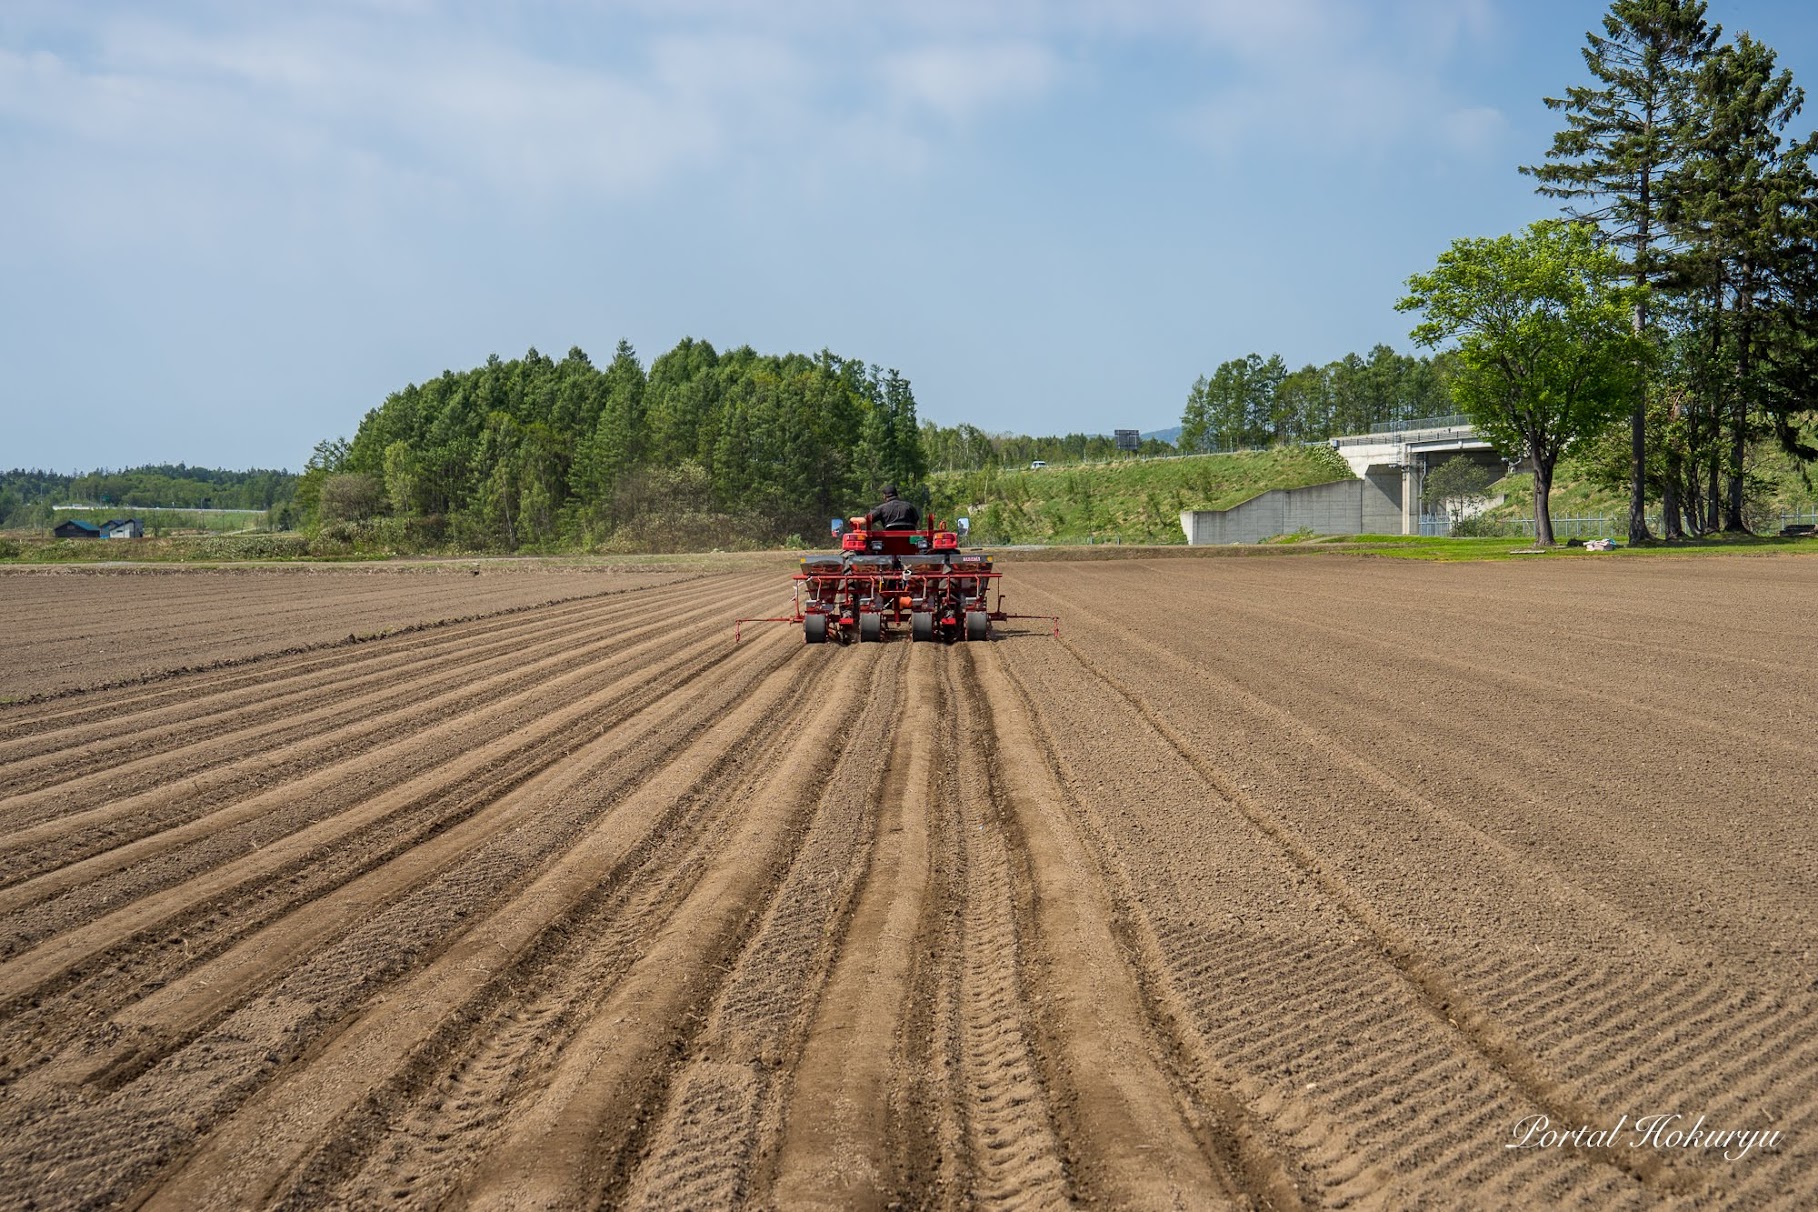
[{"x": 894, "y": 514}]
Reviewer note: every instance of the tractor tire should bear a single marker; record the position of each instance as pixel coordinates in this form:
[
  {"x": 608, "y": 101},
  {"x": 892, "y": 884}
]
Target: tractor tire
[
  {"x": 921, "y": 626},
  {"x": 871, "y": 626},
  {"x": 814, "y": 629},
  {"x": 978, "y": 625}
]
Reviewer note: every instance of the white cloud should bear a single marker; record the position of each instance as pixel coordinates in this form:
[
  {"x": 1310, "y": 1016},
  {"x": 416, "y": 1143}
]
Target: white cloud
[
  {"x": 1473, "y": 130},
  {"x": 1333, "y": 79},
  {"x": 960, "y": 81},
  {"x": 533, "y": 103}
]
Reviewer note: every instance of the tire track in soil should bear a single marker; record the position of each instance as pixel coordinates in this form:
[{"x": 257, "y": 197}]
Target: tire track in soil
[
  {"x": 847, "y": 1123},
  {"x": 50, "y": 757},
  {"x": 1003, "y": 1144},
  {"x": 1139, "y": 1139},
  {"x": 367, "y": 1010},
  {"x": 718, "y": 1132},
  {"x": 573, "y": 1142}
]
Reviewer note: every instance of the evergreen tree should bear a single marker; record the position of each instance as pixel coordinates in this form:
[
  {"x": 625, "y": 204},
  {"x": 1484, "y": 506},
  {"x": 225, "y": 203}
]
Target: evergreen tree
[
  {"x": 1618, "y": 142},
  {"x": 1739, "y": 204}
]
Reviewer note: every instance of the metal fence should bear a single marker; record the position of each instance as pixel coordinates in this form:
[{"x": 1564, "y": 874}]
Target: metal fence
[
  {"x": 1603, "y": 527},
  {"x": 1455, "y": 421}
]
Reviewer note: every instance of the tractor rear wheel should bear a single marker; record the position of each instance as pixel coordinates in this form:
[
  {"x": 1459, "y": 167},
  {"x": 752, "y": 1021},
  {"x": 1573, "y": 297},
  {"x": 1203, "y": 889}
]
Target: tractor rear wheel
[
  {"x": 921, "y": 626},
  {"x": 814, "y": 629},
  {"x": 978, "y": 625},
  {"x": 871, "y": 626}
]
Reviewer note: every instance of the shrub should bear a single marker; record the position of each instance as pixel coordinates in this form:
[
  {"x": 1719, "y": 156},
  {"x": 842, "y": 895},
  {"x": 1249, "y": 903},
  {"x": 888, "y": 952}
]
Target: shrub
[
  {"x": 1482, "y": 526},
  {"x": 247, "y": 547},
  {"x": 351, "y": 498}
]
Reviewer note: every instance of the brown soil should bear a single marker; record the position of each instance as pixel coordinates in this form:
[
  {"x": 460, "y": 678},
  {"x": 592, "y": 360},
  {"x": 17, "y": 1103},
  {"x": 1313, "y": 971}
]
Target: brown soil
[
  {"x": 77, "y": 626},
  {"x": 1283, "y": 884}
]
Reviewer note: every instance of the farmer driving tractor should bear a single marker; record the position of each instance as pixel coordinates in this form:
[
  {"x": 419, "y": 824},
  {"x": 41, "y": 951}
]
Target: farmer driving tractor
[{"x": 893, "y": 513}]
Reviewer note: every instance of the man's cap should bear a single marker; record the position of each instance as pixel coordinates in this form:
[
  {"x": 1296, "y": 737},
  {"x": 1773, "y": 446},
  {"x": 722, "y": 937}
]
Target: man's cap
[{"x": 890, "y": 490}]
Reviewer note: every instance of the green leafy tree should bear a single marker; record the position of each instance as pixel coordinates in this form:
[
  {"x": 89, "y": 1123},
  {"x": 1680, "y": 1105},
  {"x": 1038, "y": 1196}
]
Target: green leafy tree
[
  {"x": 1455, "y": 485},
  {"x": 351, "y": 497},
  {"x": 403, "y": 478},
  {"x": 1547, "y": 353},
  {"x": 1620, "y": 139}
]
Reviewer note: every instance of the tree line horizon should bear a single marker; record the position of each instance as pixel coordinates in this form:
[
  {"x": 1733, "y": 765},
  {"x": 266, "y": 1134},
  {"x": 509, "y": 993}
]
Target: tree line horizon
[
  {"x": 697, "y": 447},
  {"x": 527, "y": 451}
]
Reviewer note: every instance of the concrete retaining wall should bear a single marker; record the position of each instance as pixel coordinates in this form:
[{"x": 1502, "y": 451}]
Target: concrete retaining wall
[{"x": 1371, "y": 505}]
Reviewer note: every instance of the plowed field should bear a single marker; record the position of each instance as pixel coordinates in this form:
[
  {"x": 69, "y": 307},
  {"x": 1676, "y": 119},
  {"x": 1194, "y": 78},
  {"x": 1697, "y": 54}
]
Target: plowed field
[
  {"x": 1306, "y": 883},
  {"x": 81, "y": 625}
]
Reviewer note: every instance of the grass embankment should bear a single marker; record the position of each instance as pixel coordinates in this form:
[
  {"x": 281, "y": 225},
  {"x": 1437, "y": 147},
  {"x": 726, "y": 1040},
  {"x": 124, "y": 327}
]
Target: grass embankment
[{"x": 1129, "y": 501}]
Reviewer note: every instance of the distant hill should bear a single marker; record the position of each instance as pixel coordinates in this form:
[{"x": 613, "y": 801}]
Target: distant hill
[{"x": 1170, "y": 435}]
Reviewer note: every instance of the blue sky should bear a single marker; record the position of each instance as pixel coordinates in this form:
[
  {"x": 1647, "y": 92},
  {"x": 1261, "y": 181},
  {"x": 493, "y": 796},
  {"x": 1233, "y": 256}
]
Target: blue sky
[{"x": 232, "y": 228}]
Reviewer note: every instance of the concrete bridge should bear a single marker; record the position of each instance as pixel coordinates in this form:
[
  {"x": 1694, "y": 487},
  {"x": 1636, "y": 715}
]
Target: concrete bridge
[{"x": 1390, "y": 466}]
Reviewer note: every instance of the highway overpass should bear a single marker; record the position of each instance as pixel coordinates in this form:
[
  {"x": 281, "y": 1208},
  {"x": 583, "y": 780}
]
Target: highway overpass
[{"x": 1390, "y": 465}]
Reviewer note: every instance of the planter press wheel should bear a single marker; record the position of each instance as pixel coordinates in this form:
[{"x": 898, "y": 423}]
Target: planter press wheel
[
  {"x": 921, "y": 625},
  {"x": 814, "y": 629},
  {"x": 978, "y": 625},
  {"x": 871, "y": 626}
]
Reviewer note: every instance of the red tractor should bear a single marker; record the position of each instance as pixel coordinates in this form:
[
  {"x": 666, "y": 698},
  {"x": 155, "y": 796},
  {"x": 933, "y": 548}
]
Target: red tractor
[{"x": 884, "y": 580}]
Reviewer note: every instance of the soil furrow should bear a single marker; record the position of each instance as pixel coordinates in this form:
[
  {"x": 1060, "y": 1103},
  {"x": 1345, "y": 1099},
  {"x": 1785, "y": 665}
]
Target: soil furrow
[
  {"x": 847, "y": 1102},
  {"x": 363, "y": 763},
  {"x": 378, "y": 1003},
  {"x": 1134, "y": 1144},
  {"x": 716, "y": 1142},
  {"x": 1277, "y": 883},
  {"x": 362, "y": 720},
  {"x": 287, "y": 703},
  {"x": 569, "y": 1145},
  {"x": 415, "y": 1145},
  {"x": 1443, "y": 997},
  {"x": 292, "y": 614},
  {"x": 530, "y": 817},
  {"x": 499, "y": 764}
]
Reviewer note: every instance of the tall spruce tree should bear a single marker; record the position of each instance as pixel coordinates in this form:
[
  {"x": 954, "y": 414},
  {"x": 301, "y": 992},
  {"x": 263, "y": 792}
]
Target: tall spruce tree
[
  {"x": 1738, "y": 205},
  {"x": 1619, "y": 139}
]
